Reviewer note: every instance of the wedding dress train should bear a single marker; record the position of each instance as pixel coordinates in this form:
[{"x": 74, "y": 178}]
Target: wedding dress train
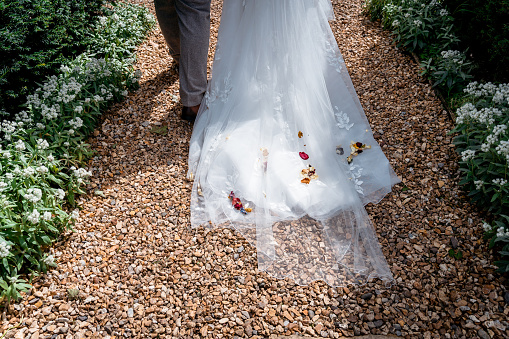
[{"x": 282, "y": 151}]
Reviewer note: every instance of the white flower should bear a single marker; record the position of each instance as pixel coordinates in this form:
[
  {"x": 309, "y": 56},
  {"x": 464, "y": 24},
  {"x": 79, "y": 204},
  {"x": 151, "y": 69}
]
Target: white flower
[
  {"x": 102, "y": 20},
  {"x": 49, "y": 260},
  {"x": 28, "y": 172},
  {"x": 499, "y": 181},
  {"x": 51, "y": 158},
  {"x": 33, "y": 195},
  {"x": 485, "y": 147},
  {"x": 417, "y": 23},
  {"x": 42, "y": 144},
  {"x": 60, "y": 194},
  {"x": 444, "y": 12},
  {"x": 501, "y": 232},
  {"x": 40, "y": 126},
  {"x": 467, "y": 155},
  {"x": 503, "y": 149},
  {"x": 486, "y": 226},
  {"x": 34, "y": 217},
  {"x": 76, "y": 123},
  {"x": 3, "y": 185},
  {"x": 42, "y": 169},
  {"x": 78, "y": 109},
  {"x": 9, "y": 176},
  {"x": 46, "y": 216},
  {"x": 478, "y": 184},
  {"x": 66, "y": 144},
  {"x": 20, "y": 145},
  {"x": 81, "y": 173},
  {"x": 75, "y": 214},
  {"x": 5, "y": 248},
  {"x": 71, "y": 131}
]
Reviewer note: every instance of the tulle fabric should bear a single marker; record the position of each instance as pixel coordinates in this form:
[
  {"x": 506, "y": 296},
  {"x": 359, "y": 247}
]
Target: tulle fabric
[{"x": 279, "y": 87}]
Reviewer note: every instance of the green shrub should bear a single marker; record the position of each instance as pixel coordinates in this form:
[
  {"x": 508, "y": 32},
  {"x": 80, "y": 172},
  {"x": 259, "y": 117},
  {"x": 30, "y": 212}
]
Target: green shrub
[
  {"x": 42, "y": 150},
  {"x": 483, "y": 143},
  {"x": 483, "y": 27},
  {"x": 449, "y": 71},
  {"x": 36, "y": 37}
]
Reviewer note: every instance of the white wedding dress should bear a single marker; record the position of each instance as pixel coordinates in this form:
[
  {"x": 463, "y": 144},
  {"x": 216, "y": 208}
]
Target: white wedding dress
[{"x": 279, "y": 101}]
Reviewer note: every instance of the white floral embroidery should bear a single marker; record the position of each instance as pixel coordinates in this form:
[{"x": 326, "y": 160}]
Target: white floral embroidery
[
  {"x": 334, "y": 58},
  {"x": 356, "y": 172},
  {"x": 215, "y": 92},
  {"x": 342, "y": 119}
]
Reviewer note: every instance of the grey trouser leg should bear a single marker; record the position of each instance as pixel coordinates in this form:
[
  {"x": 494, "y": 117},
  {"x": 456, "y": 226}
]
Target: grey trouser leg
[{"x": 186, "y": 28}]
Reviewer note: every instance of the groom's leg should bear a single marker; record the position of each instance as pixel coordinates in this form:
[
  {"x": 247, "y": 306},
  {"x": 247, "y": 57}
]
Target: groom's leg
[
  {"x": 194, "y": 24},
  {"x": 167, "y": 17}
]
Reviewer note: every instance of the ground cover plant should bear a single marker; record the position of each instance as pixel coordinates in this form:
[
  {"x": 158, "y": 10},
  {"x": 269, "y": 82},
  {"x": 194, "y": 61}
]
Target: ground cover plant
[
  {"x": 438, "y": 37},
  {"x": 482, "y": 123},
  {"x": 42, "y": 149}
]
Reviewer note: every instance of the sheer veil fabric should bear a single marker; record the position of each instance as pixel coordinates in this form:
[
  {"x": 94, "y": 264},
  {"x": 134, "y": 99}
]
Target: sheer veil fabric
[{"x": 271, "y": 149}]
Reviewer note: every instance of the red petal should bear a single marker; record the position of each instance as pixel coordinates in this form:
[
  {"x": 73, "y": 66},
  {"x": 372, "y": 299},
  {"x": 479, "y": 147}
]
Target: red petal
[{"x": 304, "y": 156}]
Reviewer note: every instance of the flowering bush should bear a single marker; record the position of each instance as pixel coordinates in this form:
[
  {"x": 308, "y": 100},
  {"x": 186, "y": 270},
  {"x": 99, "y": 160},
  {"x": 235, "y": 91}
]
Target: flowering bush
[
  {"x": 42, "y": 149},
  {"x": 426, "y": 28},
  {"x": 449, "y": 71},
  {"x": 416, "y": 23},
  {"x": 483, "y": 143}
]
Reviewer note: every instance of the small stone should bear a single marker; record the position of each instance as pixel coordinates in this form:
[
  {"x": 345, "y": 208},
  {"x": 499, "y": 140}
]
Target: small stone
[
  {"x": 483, "y": 335},
  {"x": 378, "y": 323},
  {"x": 454, "y": 243},
  {"x": 82, "y": 318},
  {"x": 64, "y": 307},
  {"x": 130, "y": 313},
  {"x": 62, "y": 320},
  {"x": 367, "y": 296},
  {"x": 223, "y": 320},
  {"x": 240, "y": 249}
]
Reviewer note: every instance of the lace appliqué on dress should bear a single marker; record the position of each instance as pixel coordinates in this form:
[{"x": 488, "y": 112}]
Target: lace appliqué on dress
[
  {"x": 342, "y": 119},
  {"x": 356, "y": 172},
  {"x": 334, "y": 58},
  {"x": 215, "y": 92}
]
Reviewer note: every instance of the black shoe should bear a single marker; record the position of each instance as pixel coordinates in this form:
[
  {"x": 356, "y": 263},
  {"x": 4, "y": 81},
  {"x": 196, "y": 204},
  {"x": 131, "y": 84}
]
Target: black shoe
[{"x": 188, "y": 114}]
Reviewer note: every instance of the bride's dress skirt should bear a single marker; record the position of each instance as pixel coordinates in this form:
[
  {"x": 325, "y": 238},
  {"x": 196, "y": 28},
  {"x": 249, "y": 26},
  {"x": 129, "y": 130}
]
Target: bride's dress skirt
[{"x": 280, "y": 100}]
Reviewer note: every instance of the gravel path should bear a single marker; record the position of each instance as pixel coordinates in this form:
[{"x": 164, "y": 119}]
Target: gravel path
[{"x": 140, "y": 272}]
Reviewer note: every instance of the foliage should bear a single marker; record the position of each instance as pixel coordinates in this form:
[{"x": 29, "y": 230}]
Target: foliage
[
  {"x": 483, "y": 27},
  {"x": 450, "y": 72},
  {"x": 483, "y": 142},
  {"x": 374, "y": 8},
  {"x": 426, "y": 28},
  {"x": 36, "y": 37},
  {"x": 41, "y": 151}
]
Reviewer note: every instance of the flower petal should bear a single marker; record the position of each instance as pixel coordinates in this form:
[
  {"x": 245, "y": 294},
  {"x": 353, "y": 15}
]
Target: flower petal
[{"x": 303, "y": 155}]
